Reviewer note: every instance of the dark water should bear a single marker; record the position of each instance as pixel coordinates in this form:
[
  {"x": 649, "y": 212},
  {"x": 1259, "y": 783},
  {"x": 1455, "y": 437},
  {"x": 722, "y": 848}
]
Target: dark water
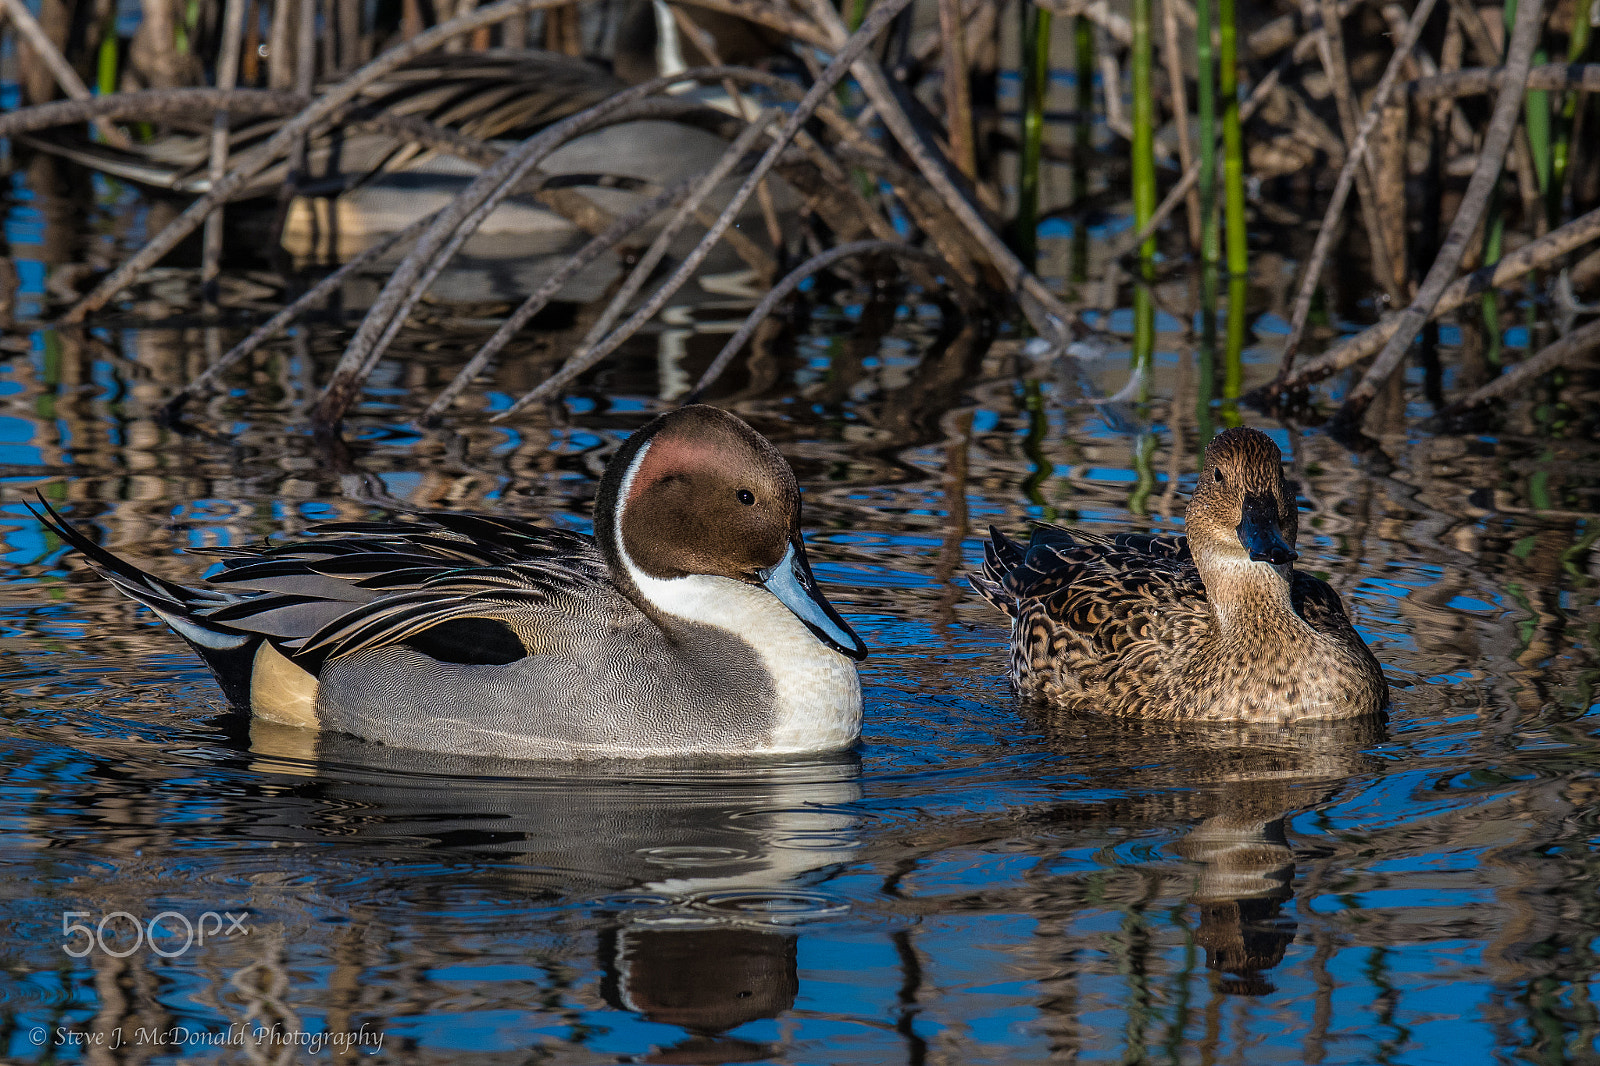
[{"x": 976, "y": 882}]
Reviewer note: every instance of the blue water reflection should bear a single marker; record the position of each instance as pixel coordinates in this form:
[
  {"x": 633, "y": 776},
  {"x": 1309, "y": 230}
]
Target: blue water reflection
[{"x": 978, "y": 882}]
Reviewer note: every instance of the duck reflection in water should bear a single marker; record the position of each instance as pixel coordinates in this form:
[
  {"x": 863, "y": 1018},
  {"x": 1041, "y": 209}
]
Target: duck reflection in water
[
  {"x": 1246, "y": 875},
  {"x": 707, "y": 979},
  {"x": 1235, "y": 787},
  {"x": 697, "y": 873}
]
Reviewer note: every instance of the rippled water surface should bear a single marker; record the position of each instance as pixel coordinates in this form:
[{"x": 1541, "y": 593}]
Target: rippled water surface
[{"x": 976, "y": 882}]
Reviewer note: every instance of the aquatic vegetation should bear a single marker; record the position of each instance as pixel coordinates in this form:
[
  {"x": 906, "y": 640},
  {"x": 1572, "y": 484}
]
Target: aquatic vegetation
[{"x": 793, "y": 82}]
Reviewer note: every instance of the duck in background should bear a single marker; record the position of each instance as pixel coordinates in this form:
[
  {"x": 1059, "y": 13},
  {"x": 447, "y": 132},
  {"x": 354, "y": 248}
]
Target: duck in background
[
  {"x": 359, "y": 184},
  {"x": 653, "y": 39},
  {"x": 1217, "y": 625}
]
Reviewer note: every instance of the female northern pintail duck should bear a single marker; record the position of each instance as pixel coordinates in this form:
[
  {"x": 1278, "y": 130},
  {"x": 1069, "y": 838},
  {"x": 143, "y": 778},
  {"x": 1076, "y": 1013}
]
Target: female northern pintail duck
[
  {"x": 1217, "y": 625},
  {"x": 688, "y": 625}
]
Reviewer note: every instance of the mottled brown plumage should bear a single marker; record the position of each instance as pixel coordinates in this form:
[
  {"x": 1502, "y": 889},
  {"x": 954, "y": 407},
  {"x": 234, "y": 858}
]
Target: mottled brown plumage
[{"x": 1216, "y": 625}]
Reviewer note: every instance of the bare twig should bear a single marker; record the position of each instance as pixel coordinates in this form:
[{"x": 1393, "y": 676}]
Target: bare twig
[
  {"x": 846, "y": 54},
  {"x": 1472, "y": 23},
  {"x": 1569, "y": 349},
  {"x": 620, "y": 230},
  {"x": 1474, "y": 81},
  {"x": 227, "y": 78},
  {"x": 769, "y": 16},
  {"x": 748, "y": 110},
  {"x": 1177, "y": 85},
  {"x": 150, "y": 105},
  {"x": 1099, "y": 12},
  {"x": 457, "y": 222},
  {"x": 1354, "y": 157},
  {"x": 705, "y": 184},
  {"x": 280, "y": 60},
  {"x": 1503, "y": 123},
  {"x": 957, "y": 90},
  {"x": 450, "y": 230},
  {"x": 305, "y": 79},
  {"x": 1050, "y": 318},
  {"x": 1330, "y": 43},
  {"x": 59, "y": 68},
  {"x": 792, "y": 281},
  {"x": 1531, "y": 256},
  {"x": 280, "y": 321}
]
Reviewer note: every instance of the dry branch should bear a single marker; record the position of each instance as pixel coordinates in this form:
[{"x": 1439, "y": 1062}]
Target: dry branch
[
  {"x": 151, "y": 105},
  {"x": 1475, "y": 81},
  {"x": 768, "y": 16},
  {"x": 705, "y": 184},
  {"x": 793, "y": 280},
  {"x": 59, "y": 68},
  {"x": 1050, "y": 318},
  {"x": 280, "y": 321},
  {"x": 1330, "y": 44},
  {"x": 1355, "y": 157},
  {"x": 620, "y": 230},
  {"x": 1531, "y": 256},
  {"x": 846, "y": 55},
  {"x": 1497, "y": 139},
  {"x": 1569, "y": 349},
  {"x": 227, "y": 77},
  {"x": 410, "y": 281}
]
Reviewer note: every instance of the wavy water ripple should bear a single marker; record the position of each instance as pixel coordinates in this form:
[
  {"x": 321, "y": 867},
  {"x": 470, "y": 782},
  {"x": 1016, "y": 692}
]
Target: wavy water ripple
[{"x": 978, "y": 882}]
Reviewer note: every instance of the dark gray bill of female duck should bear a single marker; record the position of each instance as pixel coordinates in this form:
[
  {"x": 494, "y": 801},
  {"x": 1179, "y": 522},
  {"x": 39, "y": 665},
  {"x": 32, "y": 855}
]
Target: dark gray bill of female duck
[{"x": 1259, "y": 532}]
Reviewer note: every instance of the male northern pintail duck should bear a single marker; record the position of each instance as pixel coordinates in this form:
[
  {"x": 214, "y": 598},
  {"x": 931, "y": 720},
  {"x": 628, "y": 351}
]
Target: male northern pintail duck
[
  {"x": 1216, "y": 625},
  {"x": 688, "y": 625}
]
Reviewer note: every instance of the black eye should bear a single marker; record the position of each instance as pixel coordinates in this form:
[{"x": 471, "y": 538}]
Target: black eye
[
  {"x": 747, "y": 497},
  {"x": 1217, "y": 474}
]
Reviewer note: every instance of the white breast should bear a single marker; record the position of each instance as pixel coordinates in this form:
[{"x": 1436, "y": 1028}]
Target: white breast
[{"x": 818, "y": 692}]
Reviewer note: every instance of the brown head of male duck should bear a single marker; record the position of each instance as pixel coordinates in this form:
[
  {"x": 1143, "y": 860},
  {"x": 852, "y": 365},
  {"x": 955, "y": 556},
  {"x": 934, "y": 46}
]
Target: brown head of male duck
[{"x": 1216, "y": 625}]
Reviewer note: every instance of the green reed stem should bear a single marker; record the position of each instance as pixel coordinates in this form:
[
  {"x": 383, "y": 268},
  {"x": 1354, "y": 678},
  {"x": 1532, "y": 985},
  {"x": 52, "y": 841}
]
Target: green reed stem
[
  {"x": 1033, "y": 448},
  {"x": 1233, "y": 365},
  {"x": 105, "y": 75},
  {"x": 1206, "y": 100},
  {"x": 1566, "y": 129},
  {"x": 1205, "y": 56},
  {"x": 1232, "y": 138},
  {"x": 1035, "y": 86},
  {"x": 1206, "y": 373},
  {"x": 1536, "y": 115},
  {"x": 1082, "y": 139},
  {"x": 1144, "y": 189},
  {"x": 1144, "y": 112},
  {"x": 1143, "y": 451}
]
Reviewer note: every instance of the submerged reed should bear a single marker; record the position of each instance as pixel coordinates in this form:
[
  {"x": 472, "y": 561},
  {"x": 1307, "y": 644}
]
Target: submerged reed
[
  {"x": 1144, "y": 194},
  {"x": 1567, "y": 128},
  {"x": 1232, "y": 137},
  {"x": 1206, "y": 100},
  {"x": 1035, "y": 88},
  {"x": 1082, "y": 138}
]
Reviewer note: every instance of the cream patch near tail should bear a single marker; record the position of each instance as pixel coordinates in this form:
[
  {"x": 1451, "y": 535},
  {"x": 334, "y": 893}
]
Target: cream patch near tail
[{"x": 282, "y": 692}]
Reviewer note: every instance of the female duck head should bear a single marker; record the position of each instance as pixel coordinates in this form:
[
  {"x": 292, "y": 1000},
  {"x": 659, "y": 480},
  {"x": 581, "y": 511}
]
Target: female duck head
[
  {"x": 697, "y": 494},
  {"x": 1243, "y": 511}
]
